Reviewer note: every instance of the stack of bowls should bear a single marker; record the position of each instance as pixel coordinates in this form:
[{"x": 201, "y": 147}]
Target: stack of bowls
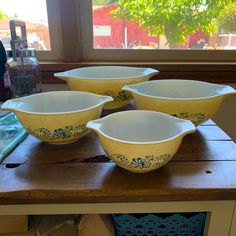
[
  {"x": 61, "y": 117},
  {"x": 140, "y": 140}
]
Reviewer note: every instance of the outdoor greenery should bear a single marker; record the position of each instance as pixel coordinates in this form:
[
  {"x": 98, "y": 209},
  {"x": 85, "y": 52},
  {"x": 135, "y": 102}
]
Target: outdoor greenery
[
  {"x": 2, "y": 15},
  {"x": 227, "y": 18},
  {"x": 103, "y": 2},
  {"x": 176, "y": 19}
]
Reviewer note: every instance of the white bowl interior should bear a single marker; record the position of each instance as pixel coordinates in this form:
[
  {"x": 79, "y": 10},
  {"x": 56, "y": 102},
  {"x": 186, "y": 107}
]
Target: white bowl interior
[
  {"x": 140, "y": 126},
  {"x": 179, "y": 89},
  {"x": 55, "y": 102},
  {"x": 106, "y": 72}
]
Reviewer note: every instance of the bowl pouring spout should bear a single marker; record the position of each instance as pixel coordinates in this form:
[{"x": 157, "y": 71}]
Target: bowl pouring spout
[{"x": 10, "y": 105}]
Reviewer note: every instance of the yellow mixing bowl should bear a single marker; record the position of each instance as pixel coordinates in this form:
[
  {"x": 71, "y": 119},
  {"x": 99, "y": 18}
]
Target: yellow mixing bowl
[
  {"x": 187, "y": 99},
  {"x": 106, "y": 80},
  {"x": 57, "y": 117},
  {"x": 141, "y": 141}
]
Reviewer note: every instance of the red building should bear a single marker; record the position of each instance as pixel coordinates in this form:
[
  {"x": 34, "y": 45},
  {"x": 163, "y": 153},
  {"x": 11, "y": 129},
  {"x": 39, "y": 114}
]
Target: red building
[{"x": 112, "y": 33}]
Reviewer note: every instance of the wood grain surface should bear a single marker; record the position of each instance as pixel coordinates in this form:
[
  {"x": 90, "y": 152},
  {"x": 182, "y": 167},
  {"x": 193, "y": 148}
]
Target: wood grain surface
[
  {"x": 204, "y": 168},
  {"x": 105, "y": 182}
]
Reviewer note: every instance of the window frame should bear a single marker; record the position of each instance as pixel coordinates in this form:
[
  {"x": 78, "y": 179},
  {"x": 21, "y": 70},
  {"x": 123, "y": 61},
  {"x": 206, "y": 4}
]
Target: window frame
[
  {"x": 55, "y": 34},
  {"x": 74, "y": 52},
  {"x": 88, "y": 53},
  {"x": 74, "y": 18},
  {"x": 62, "y": 21},
  {"x": 53, "y": 7}
]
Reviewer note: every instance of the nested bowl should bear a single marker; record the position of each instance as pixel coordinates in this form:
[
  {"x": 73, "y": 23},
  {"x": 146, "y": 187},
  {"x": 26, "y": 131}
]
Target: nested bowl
[
  {"x": 106, "y": 80},
  {"x": 141, "y": 141},
  {"x": 57, "y": 117},
  {"x": 187, "y": 99}
]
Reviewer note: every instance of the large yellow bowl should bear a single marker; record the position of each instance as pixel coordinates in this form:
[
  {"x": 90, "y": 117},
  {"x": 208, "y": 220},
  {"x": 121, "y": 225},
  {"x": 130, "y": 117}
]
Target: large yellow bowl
[
  {"x": 106, "y": 80},
  {"x": 187, "y": 99},
  {"x": 141, "y": 141},
  {"x": 57, "y": 117}
]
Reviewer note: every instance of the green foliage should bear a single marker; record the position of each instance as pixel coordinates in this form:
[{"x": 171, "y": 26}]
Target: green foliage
[
  {"x": 103, "y": 2},
  {"x": 2, "y": 15},
  {"x": 176, "y": 19},
  {"x": 227, "y": 18}
]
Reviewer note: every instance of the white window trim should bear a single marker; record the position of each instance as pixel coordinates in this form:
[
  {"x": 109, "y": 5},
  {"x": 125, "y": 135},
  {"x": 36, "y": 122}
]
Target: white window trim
[
  {"x": 88, "y": 53},
  {"x": 53, "y": 12}
]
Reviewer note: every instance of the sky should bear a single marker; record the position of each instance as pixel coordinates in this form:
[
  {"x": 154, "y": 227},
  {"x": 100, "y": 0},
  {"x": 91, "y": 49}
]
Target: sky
[{"x": 27, "y": 10}]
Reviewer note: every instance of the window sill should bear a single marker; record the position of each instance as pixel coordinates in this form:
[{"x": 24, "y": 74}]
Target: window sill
[{"x": 218, "y": 72}]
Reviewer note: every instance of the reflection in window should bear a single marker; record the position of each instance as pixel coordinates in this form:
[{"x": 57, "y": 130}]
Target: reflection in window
[{"x": 34, "y": 13}]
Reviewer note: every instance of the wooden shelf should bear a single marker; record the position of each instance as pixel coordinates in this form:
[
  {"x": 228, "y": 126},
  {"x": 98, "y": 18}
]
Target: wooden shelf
[{"x": 204, "y": 168}]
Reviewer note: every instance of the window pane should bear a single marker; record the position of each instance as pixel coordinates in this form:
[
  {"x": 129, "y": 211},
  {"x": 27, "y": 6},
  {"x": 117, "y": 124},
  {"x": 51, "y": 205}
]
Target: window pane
[
  {"x": 34, "y": 13},
  {"x": 164, "y": 24}
]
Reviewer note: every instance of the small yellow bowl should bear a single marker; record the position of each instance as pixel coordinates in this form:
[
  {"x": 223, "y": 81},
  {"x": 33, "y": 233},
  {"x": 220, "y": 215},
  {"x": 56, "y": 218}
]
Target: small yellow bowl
[
  {"x": 141, "y": 141},
  {"x": 187, "y": 99},
  {"x": 106, "y": 80},
  {"x": 57, "y": 117}
]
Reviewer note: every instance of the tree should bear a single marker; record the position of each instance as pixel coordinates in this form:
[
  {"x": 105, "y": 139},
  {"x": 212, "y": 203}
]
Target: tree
[
  {"x": 227, "y": 18},
  {"x": 103, "y": 2},
  {"x": 176, "y": 19},
  {"x": 2, "y": 15}
]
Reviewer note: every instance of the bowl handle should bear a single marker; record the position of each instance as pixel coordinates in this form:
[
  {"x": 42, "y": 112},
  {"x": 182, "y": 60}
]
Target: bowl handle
[
  {"x": 10, "y": 105},
  {"x": 128, "y": 88},
  {"x": 94, "y": 125},
  {"x": 105, "y": 99},
  {"x": 227, "y": 91},
  {"x": 151, "y": 72},
  {"x": 61, "y": 75},
  {"x": 187, "y": 127}
]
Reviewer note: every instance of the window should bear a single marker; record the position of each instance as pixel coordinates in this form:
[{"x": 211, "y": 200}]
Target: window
[
  {"x": 35, "y": 15},
  {"x": 85, "y": 30},
  {"x": 114, "y": 38},
  {"x": 35, "y": 18},
  {"x": 149, "y": 28}
]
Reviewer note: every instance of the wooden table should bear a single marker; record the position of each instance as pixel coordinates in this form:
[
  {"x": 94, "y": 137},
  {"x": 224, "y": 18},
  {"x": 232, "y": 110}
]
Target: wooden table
[{"x": 39, "y": 178}]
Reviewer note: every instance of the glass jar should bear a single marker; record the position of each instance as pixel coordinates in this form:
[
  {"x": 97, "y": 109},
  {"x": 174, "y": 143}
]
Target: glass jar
[{"x": 24, "y": 72}]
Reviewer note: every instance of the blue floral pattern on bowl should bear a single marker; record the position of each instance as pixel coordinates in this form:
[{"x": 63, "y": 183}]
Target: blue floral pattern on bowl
[
  {"x": 196, "y": 118},
  {"x": 151, "y": 161},
  {"x": 59, "y": 133}
]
